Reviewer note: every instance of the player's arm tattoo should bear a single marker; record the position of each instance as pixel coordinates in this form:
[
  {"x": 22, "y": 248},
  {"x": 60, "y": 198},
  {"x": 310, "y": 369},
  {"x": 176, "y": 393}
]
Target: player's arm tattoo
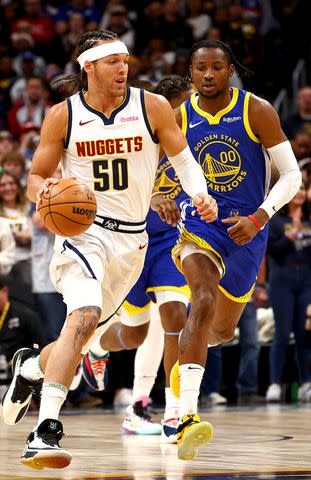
[{"x": 87, "y": 322}]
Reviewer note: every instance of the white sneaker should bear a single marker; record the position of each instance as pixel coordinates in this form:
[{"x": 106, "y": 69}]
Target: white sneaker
[
  {"x": 169, "y": 430},
  {"x": 138, "y": 421},
  {"x": 273, "y": 394},
  {"x": 214, "y": 398},
  {"x": 123, "y": 397},
  {"x": 304, "y": 392}
]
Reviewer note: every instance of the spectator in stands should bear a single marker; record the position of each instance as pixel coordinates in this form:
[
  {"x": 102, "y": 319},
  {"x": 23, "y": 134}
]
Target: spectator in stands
[
  {"x": 7, "y": 248},
  {"x": 7, "y": 78},
  {"x": 301, "y": 120},
  {"x": 76, "y": 27},
  {"x": 211, "y": 381},
  {"x": 175, "y": 31},
  {"x": 301, "y": 145},
  {"x": 7, "y": 144},
  {"x": 28, "y": 70},
  {"x": 42, "y": 26},
  {"x": 120, "y": 24},
  {"x": 33, "y": 109},
  {"x": 199, "y": 21},
  {"x": 21, "y": 326},
  {"x": 289, "y": 255},
  {"x": 24, "y": 43},
  {"x": 148, "y": 25},
  {"x": 14, "y": 209},
  {"x": 14, "y": 162},
  {"x": 90, "y": 13}
]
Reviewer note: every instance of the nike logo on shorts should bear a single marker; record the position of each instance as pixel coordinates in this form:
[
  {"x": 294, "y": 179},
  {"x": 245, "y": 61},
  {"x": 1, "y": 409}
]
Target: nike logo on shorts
[
  {"x": 84, "y": 123},
  {"x": 192, "y": 125},
  {"x": 142, "y": 246}
]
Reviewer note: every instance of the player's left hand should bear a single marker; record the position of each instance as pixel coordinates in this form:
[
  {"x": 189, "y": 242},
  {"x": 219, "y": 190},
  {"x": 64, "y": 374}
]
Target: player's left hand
[
  {"x": 206, "y": 207},
  {"x": 167, "y": 209},
  {"x": 243, "y": 230}
]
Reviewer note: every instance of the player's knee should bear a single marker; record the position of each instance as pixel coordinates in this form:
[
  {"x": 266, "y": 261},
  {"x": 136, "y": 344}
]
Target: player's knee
[
  {"x": 222, "y": 334},
  {"x": 83, "y": 323},
  {"x": 133, "y": 337},
  {"x": 173, "y": 316}
]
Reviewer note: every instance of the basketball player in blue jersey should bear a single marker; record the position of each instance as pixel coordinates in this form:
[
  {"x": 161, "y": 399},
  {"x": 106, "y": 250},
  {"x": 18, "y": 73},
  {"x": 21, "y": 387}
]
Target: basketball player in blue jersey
[
  {"x": 234, "y": 137},
  {"x": 160, "y": 282},
  {"x": 107, "y": 135}
]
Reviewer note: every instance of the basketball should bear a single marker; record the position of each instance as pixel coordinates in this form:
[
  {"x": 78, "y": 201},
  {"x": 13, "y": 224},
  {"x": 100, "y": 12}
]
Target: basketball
[{"x": 68, "y": 208}]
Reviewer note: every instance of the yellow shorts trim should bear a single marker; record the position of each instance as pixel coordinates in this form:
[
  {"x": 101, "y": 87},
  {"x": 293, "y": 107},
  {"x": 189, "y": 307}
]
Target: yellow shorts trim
[
  {"x": 191, "y": 237},
  {"x": 133, "y": 310},
  {"x": 184, "y": 289},
  {"x": 244, "y": 299}
]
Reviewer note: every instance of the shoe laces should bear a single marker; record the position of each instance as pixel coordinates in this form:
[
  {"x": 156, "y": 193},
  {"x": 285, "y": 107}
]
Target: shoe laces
[
  {"x": 190, "y": 420},
  {"x": 98, "y": 367}
]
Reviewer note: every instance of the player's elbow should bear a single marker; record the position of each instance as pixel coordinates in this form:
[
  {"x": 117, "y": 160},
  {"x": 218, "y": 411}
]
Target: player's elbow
[{"x": 294, "y": 180}]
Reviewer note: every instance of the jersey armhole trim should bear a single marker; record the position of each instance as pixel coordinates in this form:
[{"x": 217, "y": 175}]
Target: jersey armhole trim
[
  {"x": 246, "y": 119},
  {"x": 143, "y": 106},
  {"x": 69, "y": 123},
  {"x": 184, "y": 119}
]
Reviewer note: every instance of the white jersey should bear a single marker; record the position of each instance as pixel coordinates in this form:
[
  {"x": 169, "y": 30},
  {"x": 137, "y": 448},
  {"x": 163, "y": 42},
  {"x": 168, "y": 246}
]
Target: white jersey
[{"x": 116, "y": 156}]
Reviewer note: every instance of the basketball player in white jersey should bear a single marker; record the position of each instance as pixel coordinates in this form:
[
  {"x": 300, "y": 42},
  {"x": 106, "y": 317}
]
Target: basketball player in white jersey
[{"x": 107, "y": 135}]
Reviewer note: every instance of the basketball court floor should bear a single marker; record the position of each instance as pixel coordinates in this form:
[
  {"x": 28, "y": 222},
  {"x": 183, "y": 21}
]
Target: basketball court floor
[{"x": 269, "y": 442}]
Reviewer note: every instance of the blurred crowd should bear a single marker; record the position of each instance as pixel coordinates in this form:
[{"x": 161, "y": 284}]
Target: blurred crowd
[{"x": 37, "y": 45}]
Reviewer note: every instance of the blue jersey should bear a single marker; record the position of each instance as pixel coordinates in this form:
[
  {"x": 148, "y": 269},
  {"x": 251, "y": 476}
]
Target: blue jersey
[
  {"x": 235, "y": 165},
  {"x": 237, "y": 172},
  {"x": 166, "y": 182}
]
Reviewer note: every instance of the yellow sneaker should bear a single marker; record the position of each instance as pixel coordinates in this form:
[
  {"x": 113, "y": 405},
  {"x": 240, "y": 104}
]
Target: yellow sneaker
[
  {"x": 192, "y": 434},
  {"x": 174, "y": 380}
]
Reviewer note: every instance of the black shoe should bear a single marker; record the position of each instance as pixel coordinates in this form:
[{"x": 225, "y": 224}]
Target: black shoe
[
  {"x": 250, "y": 398},
  {"x": 16, "y": 399},
  {"x": 42, "y": 448}
]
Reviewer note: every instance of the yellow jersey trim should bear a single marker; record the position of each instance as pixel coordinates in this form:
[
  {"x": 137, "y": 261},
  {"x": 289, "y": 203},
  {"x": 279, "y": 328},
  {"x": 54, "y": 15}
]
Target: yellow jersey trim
[
  {"x": 191, "y": 237},
  {"x": 133, "y": 310},
  {"x": 246, "y": 119},
  {"x": 184, "y": 289},
  {"x": 215, "y": 119},
  {"x": 184, "y": 118},
  {"x": 244, "y": 299}
]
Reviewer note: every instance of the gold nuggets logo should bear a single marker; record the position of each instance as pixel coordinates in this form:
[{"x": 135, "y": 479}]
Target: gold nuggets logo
[
  {"x": 167, "y": 182},
  {"x": 221, "y": 163}
]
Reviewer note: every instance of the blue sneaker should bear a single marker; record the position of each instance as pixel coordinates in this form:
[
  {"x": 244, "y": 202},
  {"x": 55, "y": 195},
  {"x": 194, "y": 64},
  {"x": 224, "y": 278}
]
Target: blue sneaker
[
  {"x": 94, "y": 370},
  {"x": 169, "y": 430}
]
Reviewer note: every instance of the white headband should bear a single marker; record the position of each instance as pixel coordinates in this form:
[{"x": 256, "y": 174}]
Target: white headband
[{"x": 101, "y": 51}]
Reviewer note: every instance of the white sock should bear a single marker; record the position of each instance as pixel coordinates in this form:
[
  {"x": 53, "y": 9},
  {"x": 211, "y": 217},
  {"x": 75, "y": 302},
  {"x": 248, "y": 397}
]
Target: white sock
[
  {"x": 148, "y": 357},
  {"x": 31, "y": 369},
  {"x": 96, "y": 348},
  {"x": 190, "y": 375},
  {"x": 172, "y": 404},
  {"x": 53, "y": 396}
]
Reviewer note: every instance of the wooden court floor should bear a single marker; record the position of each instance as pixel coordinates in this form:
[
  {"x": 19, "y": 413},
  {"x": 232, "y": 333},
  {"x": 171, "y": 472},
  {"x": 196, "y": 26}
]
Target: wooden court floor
[{"x": 269, "y": 442}]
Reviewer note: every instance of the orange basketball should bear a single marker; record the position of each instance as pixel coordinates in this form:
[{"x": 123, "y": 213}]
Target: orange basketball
[{"x": 68, "y": 208}]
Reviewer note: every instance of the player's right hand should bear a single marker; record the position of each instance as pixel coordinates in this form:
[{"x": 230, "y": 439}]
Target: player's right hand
[
  {"x": 167, "y": 209},
  {"x": 206, "y": 207},
  {"x": 45, "y": 187}
]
